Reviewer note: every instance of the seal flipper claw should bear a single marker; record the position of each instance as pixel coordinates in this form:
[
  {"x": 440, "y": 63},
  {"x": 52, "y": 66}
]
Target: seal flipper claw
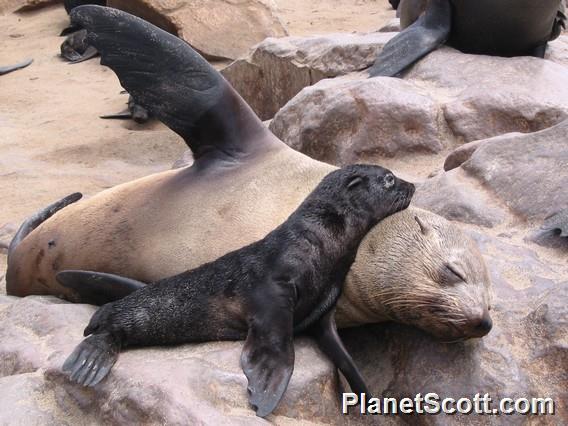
[
  {"x": 268, "y": 353},
  {"x": 98, "y": 288},
  {"x": 91, "y": 361},
  {"x": 325, "y": 333},
  {"x": 413, "y": 43},
  {"x": 172, "y": 81}
]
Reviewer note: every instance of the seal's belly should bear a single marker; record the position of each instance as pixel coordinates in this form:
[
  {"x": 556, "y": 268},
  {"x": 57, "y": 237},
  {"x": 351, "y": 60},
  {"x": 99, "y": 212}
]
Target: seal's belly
[{"x": 501, "y": 27}]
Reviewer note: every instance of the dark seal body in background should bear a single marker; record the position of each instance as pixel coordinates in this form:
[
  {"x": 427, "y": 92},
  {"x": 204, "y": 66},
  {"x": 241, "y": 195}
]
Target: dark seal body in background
[
  {"x": 489, "y": 27},
  {"x": 286, "y": 283}
]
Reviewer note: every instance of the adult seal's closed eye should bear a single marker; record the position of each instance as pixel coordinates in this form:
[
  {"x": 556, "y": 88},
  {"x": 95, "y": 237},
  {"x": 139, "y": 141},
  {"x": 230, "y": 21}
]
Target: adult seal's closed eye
[
  {"x": 489, "y": 27},
  {"x": 243, "y": 184},
  {"x": 286, "y": 283}
]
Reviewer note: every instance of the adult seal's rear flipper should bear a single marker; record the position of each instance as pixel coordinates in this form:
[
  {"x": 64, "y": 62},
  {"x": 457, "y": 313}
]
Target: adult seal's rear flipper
[
  {"x": 98, "y": 288},
  {"x": 429, "y": 32},
  {"x": 268, "y": 354},
  {"x": 173, "y": 82},
  {"x": 10, "y": 68},
  {"x": 325, "y": 333}
]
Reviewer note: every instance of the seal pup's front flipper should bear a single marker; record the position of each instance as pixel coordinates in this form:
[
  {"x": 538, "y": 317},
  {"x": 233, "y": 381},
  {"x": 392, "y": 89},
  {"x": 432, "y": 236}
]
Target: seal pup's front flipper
[
  {"x": 98, "y": 288},
  {"x": 325, "y": 333},
  {"x": 413, "y": 43},
  {"x": 92, "y": 359},
  {"x": 10, "y": 68},
  {"x": 174, "y": 83},
  {"x": 268, "y": 353}
]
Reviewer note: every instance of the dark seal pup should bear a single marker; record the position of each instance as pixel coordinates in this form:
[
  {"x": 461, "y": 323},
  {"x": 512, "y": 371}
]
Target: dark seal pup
[
  {"x": 286, "y": 283},
  {"x": 75, "y": 48},
  {"x": 489, "y": 27}
]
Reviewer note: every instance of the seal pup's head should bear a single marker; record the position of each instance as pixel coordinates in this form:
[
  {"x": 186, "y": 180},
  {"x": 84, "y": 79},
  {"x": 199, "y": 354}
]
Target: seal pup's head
[
  {"x": 417, "y": 268},
  {"x": 357, "y": 196}
]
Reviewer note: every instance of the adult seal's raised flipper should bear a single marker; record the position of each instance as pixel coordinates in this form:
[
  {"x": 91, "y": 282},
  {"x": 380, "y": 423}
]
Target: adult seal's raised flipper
[
  {"x": 489, "y": 27},
  {"x": 10, "y": 68},
  {"x": 174, "y": 83},
  {"x": 429, "y": 32}
]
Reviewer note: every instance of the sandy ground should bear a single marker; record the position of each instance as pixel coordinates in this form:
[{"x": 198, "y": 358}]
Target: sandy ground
[{"x": 52, "y": 142}]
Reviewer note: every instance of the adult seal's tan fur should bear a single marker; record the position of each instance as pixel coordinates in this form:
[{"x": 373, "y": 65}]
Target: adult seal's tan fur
[{"x": 244, "y": 182}]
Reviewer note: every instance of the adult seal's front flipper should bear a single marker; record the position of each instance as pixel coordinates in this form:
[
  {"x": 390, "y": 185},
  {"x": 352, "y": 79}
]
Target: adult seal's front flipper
[
  {"x": 10, "y": 68},
  {"x": 325, "y": 333},
  {"x": 425, "y": 35},
  {"x": 98, "y": 288},
  {"x": 174, "y": 83}
]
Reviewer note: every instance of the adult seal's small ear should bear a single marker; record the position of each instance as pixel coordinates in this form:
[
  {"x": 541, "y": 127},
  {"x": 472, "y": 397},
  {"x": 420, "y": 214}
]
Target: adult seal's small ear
[
  {"x": 424, "y": 228},
  {"x": 19, "y": 66}
]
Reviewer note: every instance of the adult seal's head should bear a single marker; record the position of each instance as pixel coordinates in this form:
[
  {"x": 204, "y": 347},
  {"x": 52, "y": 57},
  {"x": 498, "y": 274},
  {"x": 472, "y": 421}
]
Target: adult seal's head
[{"x": 418, "y": 269}]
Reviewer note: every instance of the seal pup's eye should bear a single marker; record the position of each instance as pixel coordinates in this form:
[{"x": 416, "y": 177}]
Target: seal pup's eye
[{"x": 388, "y": 180}]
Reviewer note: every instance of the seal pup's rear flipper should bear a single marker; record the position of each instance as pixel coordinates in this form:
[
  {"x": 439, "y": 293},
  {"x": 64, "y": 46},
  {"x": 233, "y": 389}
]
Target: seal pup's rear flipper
[
  {"x": 268, "y": 353},
  {"x": 413, "y": 43},
  {"x": 10, "y": 68},
  {"x": 173, "y": 82},
  {"x": 98, "y": 288},
  {"x": 325, "y": 333}
]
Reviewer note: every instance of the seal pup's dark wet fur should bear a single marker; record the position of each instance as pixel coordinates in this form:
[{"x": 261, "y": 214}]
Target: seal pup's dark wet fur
[{"x": 286, "y": 283}]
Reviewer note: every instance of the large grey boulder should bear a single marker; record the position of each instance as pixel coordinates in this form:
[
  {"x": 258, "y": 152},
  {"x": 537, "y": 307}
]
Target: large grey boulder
[
  {"x": 190, "y": 384},
  {"x": 219, "y": 29},
  {"x": 277, "y": 69},
  {"x": 447, "y": 99},
  {"x": 514, "y": 175}
]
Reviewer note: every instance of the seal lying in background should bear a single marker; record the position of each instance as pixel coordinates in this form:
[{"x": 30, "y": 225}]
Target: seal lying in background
[
  {"x": 489, "y": 27},
  {"x": 243, "y": 183},
  {"x": 286, "y": 283},
  {"x": 18, "y": 66}
]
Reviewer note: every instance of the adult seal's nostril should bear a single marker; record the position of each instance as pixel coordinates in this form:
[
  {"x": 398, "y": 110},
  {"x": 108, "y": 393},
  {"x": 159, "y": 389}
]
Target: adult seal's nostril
[
  {"x": 485, "y": 325},
  {"x": 389, "y": 180}
]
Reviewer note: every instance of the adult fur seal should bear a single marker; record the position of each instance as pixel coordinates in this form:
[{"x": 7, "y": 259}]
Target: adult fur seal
[
  {"x": 286, "y": 283},
  {"x": 490, "y": 27},
  {"x": 243, "y": 183},
  {"x": 18, "y": 66}
]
